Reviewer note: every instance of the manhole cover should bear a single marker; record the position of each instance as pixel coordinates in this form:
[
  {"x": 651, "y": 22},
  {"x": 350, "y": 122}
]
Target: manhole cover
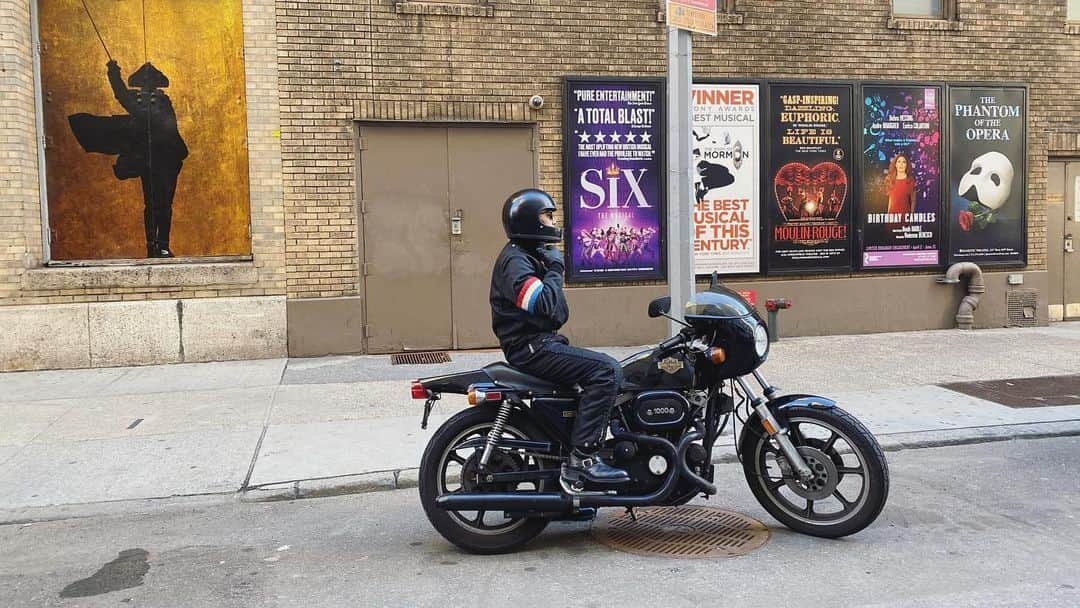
[
  {"x": 1024, "y": 392},
  {"x": 681, "y": 532},
  {"x": 419, "y": 358}
]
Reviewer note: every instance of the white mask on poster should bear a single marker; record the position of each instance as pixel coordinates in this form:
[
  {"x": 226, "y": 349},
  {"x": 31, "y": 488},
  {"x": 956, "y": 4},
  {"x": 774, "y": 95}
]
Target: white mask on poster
[{"x": 989, "y": 180}]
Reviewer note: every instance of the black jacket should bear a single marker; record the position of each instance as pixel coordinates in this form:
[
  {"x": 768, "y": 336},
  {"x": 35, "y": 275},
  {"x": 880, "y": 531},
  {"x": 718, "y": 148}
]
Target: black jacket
[{"x": 527, "y": 299}]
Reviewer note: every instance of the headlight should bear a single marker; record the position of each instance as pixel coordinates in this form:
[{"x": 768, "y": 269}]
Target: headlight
[{"x": 761, "y": 340}]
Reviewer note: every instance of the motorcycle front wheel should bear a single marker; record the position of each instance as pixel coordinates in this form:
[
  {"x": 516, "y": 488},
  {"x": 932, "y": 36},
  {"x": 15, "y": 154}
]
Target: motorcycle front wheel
[
  {"x": 850, "y": 481},
  {"x": 447, "y": 467}
]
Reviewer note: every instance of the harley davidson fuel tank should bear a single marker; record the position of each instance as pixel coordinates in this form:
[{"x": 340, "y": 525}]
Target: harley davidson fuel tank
[{"x": 646, "y": 370}]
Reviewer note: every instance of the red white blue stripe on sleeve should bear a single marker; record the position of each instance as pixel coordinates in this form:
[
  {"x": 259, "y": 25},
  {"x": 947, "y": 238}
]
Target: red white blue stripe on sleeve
[{"x": 529, "y": 294}]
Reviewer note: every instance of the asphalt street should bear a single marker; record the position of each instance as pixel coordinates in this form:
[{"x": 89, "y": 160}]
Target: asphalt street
[{"x": 979, "y": 525}]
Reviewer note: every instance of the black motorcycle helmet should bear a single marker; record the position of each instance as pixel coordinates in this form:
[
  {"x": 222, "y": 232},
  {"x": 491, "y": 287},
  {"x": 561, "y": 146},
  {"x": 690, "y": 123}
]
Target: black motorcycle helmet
[{"x": 521, "y": 217}]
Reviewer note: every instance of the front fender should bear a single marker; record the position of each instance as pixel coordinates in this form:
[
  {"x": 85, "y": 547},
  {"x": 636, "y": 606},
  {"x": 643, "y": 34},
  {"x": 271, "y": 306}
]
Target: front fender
[
  {"x": 784, "y": 402},
  {"x": 779, "y": 406}
]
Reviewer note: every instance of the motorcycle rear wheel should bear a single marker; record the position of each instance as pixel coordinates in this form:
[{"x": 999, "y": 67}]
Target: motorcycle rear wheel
[
  {"x": 851, "y": 475},
  {"x": 476, "y": 532}
]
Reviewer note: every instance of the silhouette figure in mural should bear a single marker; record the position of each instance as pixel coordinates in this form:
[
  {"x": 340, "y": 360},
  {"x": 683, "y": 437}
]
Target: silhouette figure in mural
[
  {"x": 147, "y": 143},
  {"x": 709, "y": 176}
]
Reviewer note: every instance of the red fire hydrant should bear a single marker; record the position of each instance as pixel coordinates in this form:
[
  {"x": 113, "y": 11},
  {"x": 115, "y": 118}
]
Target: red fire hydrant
[{"x": 774, "y": 306}]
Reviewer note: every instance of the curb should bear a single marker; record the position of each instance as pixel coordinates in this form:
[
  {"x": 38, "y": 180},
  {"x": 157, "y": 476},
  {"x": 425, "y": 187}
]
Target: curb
[{"x": 399, "y": 479}]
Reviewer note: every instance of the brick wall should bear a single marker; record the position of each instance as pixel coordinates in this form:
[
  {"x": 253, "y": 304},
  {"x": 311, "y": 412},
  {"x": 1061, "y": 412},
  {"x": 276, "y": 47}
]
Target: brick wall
[
  {"x": 20, "y": 216},
  {"x": 382, "y": 59},
  {"x": 23, "y": 279},
  {"x": 317, "y": 65}
]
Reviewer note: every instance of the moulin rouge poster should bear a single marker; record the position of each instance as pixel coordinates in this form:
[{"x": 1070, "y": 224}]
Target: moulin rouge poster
[
  {"x": 987, "y": 181},
  {"x": 613, "y": 188},
  {"x": 901, "y": 176},
  {"x": 726, "y": 178},
  {"x": 809, "y": 206}
]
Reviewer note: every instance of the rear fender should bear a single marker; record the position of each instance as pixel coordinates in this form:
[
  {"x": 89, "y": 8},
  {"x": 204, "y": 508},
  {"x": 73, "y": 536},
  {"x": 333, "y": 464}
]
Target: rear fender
[{"x": 457, "y": 384}]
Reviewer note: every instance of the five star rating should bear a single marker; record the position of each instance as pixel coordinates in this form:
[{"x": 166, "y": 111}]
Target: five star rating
[{"x": 601, "y": 137}]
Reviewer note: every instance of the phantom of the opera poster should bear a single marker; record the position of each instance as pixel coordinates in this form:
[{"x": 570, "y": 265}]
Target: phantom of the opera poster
[
  {"x": 987, "y": 180},
  {"x": 145, "y": 128},
  {"x": 613, "y": 193},
  {"x": 901, "y": 176},
  {"x": 726, "y": 168},
  {"x": 810, "y": 203}
]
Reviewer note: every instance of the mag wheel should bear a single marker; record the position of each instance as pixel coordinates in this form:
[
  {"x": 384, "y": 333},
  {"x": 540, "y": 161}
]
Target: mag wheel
[
  {"x": 850, "y": 482},
  {"x": 448, "y": 467}
]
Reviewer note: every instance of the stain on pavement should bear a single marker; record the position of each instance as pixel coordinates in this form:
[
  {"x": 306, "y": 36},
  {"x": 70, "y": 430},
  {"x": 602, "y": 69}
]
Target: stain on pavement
[{"x": 124, "y": 572}]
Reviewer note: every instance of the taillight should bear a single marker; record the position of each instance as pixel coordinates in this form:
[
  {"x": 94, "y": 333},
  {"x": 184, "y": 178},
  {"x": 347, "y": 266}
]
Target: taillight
[{"x": 419, "y": 392}]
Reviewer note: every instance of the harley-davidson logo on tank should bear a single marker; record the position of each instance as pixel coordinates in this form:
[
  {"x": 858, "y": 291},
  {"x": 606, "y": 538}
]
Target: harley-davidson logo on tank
[
  {"x": 613, "y": 182},
  {"x": 987, "y": 179},
  {"x": 809, "y": 206}
]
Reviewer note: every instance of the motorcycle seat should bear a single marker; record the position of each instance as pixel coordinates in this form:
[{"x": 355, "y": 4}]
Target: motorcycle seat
[{"x": 510, "y": 377}]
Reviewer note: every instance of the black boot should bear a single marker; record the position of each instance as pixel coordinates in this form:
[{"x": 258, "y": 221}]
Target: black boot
[{"x": 592, "y": 469}]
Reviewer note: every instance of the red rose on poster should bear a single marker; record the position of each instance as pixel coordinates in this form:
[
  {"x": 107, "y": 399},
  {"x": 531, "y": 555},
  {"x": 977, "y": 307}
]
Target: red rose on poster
[{"x": 966, "y": 219}]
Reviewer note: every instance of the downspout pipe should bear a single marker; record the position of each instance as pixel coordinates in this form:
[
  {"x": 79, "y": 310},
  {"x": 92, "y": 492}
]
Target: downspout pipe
[{"x": 965, "y": 315}]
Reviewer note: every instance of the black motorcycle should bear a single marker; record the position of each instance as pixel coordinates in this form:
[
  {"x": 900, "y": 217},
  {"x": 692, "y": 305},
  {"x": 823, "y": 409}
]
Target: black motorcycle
[{"x": 489, "y": 478}]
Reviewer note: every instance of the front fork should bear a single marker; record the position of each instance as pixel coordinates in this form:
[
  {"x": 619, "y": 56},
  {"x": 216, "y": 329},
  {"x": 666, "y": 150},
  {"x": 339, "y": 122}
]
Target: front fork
[{"x": 773, "y": 427}]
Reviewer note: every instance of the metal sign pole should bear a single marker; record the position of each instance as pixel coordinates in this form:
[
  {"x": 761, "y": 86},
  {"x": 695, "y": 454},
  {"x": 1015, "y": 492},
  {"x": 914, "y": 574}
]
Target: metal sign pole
[{"x": 680, "y": 249}]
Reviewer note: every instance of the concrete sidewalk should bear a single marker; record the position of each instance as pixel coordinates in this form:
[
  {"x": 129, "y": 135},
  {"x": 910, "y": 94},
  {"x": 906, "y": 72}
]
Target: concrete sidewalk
[{"x": 278, "y": 429}]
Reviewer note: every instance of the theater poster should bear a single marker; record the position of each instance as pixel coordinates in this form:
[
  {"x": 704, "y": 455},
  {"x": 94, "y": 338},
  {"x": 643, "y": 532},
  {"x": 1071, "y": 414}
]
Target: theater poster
[
  {"x": 809, "y": 203},
  {"x": 727, "y": 178},
  {"x": 145, "y": 125},
  {"x": 900, "y": 214},
  {"x": 613, "y": 179},
  {"x": 987, "y": 174}
]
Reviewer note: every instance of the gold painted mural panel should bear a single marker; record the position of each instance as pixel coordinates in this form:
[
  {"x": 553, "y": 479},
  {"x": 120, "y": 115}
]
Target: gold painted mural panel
[{"x": 146, "y": 128}]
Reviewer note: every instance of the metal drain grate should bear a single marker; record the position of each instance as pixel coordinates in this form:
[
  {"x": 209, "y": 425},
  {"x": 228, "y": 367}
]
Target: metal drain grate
[
  {"x": 1024, "y": 392},
  {"x": 419, "y": 358},
  {"x": 1023, "y": 305},
  {"x": 682, "y": 532}
]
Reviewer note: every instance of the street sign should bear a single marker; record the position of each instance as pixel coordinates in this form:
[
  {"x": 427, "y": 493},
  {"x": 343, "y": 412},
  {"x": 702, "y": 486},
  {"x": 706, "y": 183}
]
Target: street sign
[{"x": 693, "y": 15}]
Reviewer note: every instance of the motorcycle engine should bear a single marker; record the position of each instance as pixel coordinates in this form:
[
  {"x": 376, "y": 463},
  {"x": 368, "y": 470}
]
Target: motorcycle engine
[{"x": 659, "y": 411}]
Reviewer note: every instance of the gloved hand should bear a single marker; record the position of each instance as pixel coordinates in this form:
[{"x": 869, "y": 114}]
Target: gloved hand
[{"x": 552, "y": 257}]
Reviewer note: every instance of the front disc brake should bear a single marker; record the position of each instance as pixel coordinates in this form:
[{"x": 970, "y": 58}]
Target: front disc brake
[{"x": 825, "y": 474}]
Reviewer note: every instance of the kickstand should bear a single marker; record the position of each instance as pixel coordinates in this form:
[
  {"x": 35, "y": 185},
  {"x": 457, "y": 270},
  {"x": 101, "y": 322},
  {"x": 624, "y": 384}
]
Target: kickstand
[{"x": 630, "y": 510}]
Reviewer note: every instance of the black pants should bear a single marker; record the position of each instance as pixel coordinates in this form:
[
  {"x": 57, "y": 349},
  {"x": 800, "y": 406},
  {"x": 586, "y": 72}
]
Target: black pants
[{"x": 599, "y": 375}]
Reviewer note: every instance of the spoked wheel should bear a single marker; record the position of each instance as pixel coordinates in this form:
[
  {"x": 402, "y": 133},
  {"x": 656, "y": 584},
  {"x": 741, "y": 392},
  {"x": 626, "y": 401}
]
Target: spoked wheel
[
  {"x": 447, "y": 467},
  {"x": 850, "y": 480}
]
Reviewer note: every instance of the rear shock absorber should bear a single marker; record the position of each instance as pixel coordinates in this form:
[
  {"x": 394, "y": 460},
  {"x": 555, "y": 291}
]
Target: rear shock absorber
[{"x": 495, "y": 433}]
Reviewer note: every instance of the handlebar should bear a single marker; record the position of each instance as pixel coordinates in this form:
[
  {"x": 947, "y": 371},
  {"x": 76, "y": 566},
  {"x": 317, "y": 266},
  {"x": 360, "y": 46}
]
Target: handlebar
[{"x": 672, "y": 342}]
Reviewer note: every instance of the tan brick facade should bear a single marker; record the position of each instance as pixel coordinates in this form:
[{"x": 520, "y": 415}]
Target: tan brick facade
[
  {"x": 125, "y": 313},
  {"x": 24, "y": 280},
  {"x": 418, "y": 61},
  {"x": 316, "y": 67}
]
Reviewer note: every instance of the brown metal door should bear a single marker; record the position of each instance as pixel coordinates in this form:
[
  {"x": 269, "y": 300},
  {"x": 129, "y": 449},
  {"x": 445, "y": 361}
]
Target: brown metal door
[
  {"x": 486, "y": 165},
  {"x": 1055, "y": 238},
  {"x": 1071, "y": 264},
  {"x": 403, "y": 189}
]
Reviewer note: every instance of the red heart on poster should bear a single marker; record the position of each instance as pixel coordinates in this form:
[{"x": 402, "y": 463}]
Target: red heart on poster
[{"x": 803, "y": 192}]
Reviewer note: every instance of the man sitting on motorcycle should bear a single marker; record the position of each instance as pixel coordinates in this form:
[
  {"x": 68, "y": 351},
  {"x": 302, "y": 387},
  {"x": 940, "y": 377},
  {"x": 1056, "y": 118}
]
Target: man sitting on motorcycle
[{"x": 528, "y": 307}]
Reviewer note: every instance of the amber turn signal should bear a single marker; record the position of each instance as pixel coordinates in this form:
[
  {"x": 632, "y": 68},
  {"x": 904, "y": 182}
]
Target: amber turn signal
[
  {"x": 472, "y": 396},
  {"x": 717, "y": 355}
]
